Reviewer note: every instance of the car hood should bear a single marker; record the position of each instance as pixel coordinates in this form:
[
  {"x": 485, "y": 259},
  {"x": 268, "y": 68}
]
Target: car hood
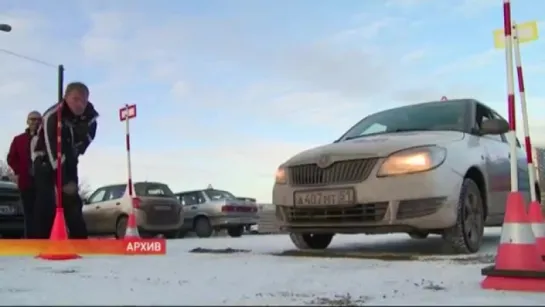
[{"x": 375, "y": 146}]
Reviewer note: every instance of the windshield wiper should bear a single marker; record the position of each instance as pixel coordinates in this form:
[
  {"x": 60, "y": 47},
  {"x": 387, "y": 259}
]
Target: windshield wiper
[
  {"x": 385, "y": 132},
  {"x": 410, "y": 129},
  {"x": 364, "y": 135}
]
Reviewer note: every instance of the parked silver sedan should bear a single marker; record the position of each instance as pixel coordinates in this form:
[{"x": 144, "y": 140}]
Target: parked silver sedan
[
  {"x": 437, "y": 167},
  {"x": 210, "y": 210}
]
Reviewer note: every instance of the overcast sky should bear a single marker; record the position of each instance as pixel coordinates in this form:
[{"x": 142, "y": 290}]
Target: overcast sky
[{"x": 229, "y": 89}]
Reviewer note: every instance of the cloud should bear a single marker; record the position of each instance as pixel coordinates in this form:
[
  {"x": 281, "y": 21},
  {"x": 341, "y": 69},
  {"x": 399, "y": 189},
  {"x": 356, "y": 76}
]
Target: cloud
[{"x": 470, "y": 8}]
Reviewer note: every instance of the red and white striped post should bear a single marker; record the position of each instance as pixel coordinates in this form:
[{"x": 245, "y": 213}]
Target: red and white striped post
[
  {"x": 126, "y": 114},
  {"x": 58, "y": 190},
  {"x": 526, "y": 128},
  {"x": 511, "y": 135}
]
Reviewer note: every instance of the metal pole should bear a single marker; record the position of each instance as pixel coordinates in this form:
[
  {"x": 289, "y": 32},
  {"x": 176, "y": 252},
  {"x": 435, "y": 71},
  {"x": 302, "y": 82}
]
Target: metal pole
[
  {"x": 60, "y": 82},
  {"x": 511, "y": 135},
  {"x": 526, "y": 128}
]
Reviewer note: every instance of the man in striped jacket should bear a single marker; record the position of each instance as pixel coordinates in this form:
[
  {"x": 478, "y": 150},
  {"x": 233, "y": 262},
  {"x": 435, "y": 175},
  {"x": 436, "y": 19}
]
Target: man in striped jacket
[{"x": 78, "y": 122}]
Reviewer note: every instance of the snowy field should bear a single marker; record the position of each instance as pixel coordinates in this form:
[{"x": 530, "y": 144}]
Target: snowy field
[{"x": 256, "y": 275}]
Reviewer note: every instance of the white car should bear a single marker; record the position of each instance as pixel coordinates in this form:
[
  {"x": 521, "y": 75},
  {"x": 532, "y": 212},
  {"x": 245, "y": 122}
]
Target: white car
[{"x": 438, "y": 167}]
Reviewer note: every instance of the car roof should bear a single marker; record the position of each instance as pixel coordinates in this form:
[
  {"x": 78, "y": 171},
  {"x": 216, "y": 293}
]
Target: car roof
[
  {"x": 201, "y": 190},
  {"x": 124, "y": 184}
]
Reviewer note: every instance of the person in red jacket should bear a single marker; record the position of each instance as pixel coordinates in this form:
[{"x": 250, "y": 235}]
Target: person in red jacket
[{"x": 20, "y": 161}]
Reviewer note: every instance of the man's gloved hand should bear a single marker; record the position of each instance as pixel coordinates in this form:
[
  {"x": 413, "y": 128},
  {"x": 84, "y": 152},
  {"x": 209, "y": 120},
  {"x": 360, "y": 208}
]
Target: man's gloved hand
[{"x": 71, "y": 188}]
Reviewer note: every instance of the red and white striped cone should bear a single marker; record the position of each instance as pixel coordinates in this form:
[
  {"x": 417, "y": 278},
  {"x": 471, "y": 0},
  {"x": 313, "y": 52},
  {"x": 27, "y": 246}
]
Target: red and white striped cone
[
  {"x": 518, "y": 264},
  {"x": 132, "y": 227}
]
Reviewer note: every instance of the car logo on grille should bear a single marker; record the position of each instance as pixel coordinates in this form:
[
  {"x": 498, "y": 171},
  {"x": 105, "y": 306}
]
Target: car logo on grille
[{"x": 324, "y": 161}]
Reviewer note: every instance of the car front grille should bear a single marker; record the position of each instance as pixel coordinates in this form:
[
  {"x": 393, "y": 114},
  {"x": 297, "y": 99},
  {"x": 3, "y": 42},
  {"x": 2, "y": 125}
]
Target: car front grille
[
  {"x": 354, "y": 214},
  {"x": 340, "y": 172},
  {"x": 160, "y": 217},
  {"x": 11, "y": 197}
]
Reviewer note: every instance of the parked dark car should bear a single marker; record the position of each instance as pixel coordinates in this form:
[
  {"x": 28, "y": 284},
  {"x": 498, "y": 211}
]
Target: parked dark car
[{"x": 11, "y": 211}]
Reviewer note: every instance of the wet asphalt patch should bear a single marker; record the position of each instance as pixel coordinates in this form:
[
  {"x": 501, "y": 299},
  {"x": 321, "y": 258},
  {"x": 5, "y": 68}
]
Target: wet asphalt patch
[
  {"x": 462, "y": 260},
  {"x": 200, "y": 250}
]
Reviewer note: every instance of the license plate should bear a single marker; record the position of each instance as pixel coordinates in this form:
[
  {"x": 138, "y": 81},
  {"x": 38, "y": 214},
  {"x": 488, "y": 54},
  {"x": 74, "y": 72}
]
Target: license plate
[
  {"x": 7, "y": 210},
  {"x": 325, "y": 197}
]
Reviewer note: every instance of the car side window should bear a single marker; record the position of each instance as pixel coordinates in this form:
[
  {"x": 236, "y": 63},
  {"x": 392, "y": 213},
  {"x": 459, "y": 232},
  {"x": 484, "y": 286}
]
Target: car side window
[
  {"x": 200, "y": 197},
  {"x": 483, "y": 114},
  {"x": 98, "y": 196},
  {"x": 115, "y": 192},
  {"x": 190, "y": 199}
]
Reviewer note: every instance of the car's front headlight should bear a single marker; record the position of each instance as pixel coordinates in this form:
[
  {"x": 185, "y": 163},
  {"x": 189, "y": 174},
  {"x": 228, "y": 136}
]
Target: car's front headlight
[
  {"x": 281, "y": 176},
  {"x": 413, "y": 160}
]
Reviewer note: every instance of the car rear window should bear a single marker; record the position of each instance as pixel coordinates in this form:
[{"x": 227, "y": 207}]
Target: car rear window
[
  {"x": 219, "y": 195},
  {"x": 152, "y": 189}
]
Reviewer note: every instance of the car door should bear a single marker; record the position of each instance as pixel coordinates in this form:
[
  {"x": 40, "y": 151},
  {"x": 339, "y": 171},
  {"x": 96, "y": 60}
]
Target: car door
[
  {"x": 91, "y": 208},
  {"x": 192, "y": 202},
  {"x": 189, "y": 202},
  {"x": 110, "y": 208},
  {"x": 497, "y": 166}
]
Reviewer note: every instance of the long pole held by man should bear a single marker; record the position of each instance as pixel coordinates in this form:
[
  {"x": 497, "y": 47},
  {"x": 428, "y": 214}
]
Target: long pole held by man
[{"x": 56, "y": 167}]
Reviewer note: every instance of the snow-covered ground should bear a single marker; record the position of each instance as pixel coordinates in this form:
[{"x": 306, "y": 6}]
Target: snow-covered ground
[{"x": 257, "y": 276}]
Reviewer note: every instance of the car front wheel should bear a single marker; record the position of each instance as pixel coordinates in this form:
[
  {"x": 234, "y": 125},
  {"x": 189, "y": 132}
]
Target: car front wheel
[
  {"x": 466, "y": 236},
  {"x": 311, "y": 241},
  {"x": 203, "y": 228}
]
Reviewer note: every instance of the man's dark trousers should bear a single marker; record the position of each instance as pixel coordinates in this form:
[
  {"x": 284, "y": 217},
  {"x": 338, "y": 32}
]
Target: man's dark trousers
[
  {"x": 28, "y": 196},
  {"x": 45, "y": 209}
]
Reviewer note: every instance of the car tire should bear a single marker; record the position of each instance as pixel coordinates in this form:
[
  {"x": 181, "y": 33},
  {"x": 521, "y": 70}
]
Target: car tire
[
  {"x": 235, "y": 232},
  {"x": 311, "y": 241},
  {"x": 418, "y": 235},
  {"x": 466, "y": 236},
  {"x": 203, "y": 228},
  {"x": 121, "y": 227}
]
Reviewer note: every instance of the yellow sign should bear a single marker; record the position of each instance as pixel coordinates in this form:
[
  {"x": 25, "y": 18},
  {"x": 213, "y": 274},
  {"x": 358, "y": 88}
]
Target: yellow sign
[{"x": 527, "y": 32}]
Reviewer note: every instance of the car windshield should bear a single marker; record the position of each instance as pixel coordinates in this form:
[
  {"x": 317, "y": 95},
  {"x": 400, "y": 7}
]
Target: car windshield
[
  {"x": 433, "y": 116},
  {"x": 219, "y": 195},
  {"x": 152, "y": 189}
]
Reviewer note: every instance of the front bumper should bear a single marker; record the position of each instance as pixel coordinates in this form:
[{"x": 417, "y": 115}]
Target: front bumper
[{"x": 391, "y": 204}]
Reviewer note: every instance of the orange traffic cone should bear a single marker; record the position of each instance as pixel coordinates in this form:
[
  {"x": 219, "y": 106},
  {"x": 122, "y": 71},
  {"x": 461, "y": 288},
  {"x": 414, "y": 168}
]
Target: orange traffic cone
[
  {"x": 518, "y": 263},
  {"x": 60, "y": 247},
  {"x": 132, "y": 228},
  {"x": 535, "y": 217}
]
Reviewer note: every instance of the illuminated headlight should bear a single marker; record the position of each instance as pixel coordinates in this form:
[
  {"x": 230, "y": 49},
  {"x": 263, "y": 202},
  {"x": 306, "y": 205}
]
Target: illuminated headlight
[
  {"x": 281, "y": 177},
  {"x": 413, "y": 160}
]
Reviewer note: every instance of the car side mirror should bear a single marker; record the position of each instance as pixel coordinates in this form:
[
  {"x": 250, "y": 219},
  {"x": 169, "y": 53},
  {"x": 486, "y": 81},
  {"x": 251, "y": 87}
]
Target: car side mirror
[
  {"x": 494, "y": 126},
  {"x": 86, "y": 201}
]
